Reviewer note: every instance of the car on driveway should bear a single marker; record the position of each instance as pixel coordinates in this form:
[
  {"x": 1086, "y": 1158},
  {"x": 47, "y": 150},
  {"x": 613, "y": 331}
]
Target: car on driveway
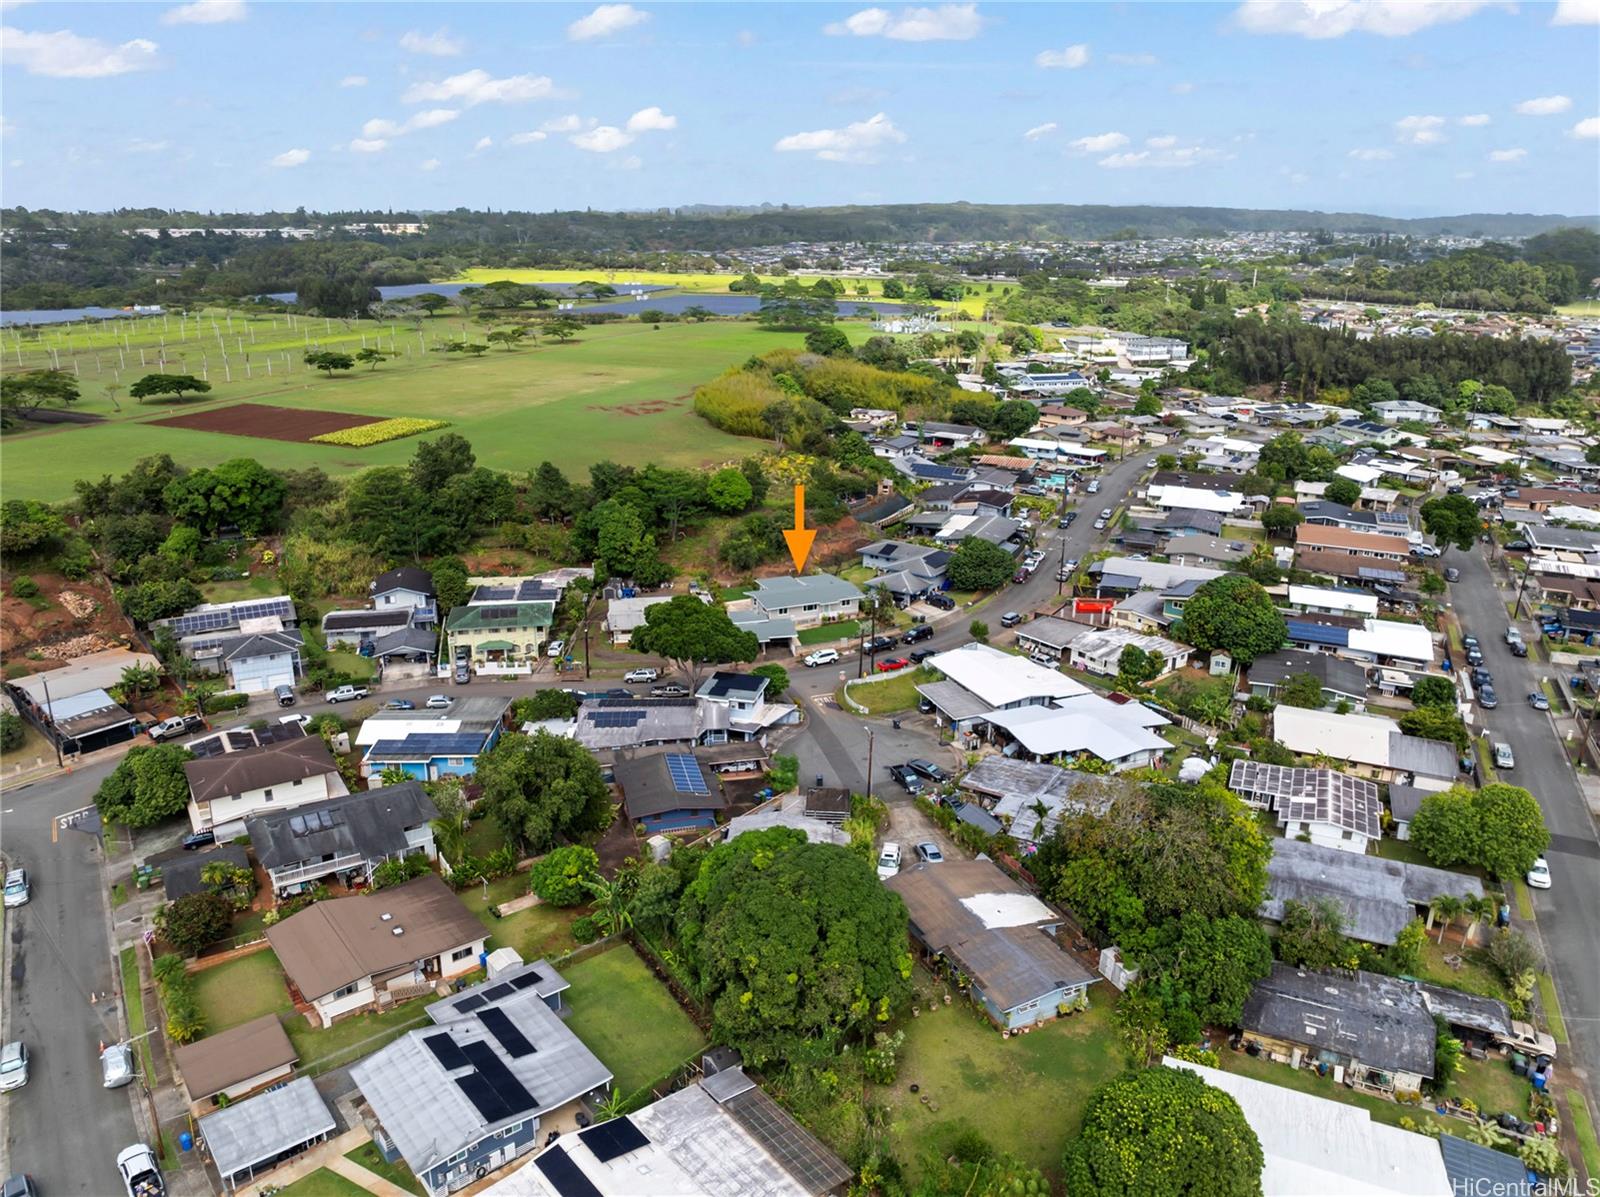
[
  {"x": 821, "y": 656},
  {"x": 909, "y": 781},
  {"x": 942, "y": 601},
  {"x": 438, "y": 702},
  {"x": 641, "y": 675},
  {"x": 556, "y": 648},
  {"x": 928, "y": 769},
  {"x": 890, "y": 664},
  {"x": 888, "y": 861},
  {"x": 198, "y": 839},
  {"x": 1539, "y": 874},
  {"x": 13, "y": 1066},
  {"x": 141, "y": 1175},
  {"x": 18, "y": 888},
  {"x": 176, "y": 726},
  {"x": 928, "y": 853},
  {"x": 1504, "y": 758},
  {"x": 1538, "y": 701}
]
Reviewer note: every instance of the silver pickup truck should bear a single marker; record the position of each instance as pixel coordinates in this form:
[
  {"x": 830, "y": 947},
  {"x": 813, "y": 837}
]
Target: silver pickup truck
[{"x": 345, "y": 694}]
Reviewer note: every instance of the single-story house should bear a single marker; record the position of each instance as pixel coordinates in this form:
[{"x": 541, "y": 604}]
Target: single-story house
[
  {"x": 1370, "y": 745},
  {"x": 180, "y": 872},
  {"x": 1474, "y": 1168},
  {"x": 816, "y": 831},
  {"x": 1341, "y": 680},
  {"x": 667, "y": 791},
  {"x": 950, "y": 436},
  {"x": 1324, "y": 601},
  {"x": 264, "y": 1131},
  {"x": 1099, "y": 651},
  {"x": 426, "y": 744},
  {"x": 348, "y": 836},
  {"x": 1049, "y": 636},
  {"x": 70, "y": 704},
  {"x": 998, "y": 680},
  {"x": 226, "y": 790},
  {"x": 1190, "y": 521},
  {"x": 466, "y": 1096},
  {"x": 1374, "y": 1031},
  {"x": 355, "y": 628},
  {"x": 235, "y": 1063},
  {"x": 1327, "y": 538},
  {"x": 1358, "y": 569},
  {"x": 1399, "y": 411},
  {"x": 403, "y": 941},
  {"x": 1029, "y": 798},
  {"x": 808, "y": 600},
  {"x": 1333, "y": 809},
  {"x": 1404, "y": 803},
  {"x": 1193, "y": 498},
  {"x": 625, "y": 616},
  {"x": 1120, "y": 735},
  {"x": 998, "y": 934},
  {"x": 500, "y": 637}
]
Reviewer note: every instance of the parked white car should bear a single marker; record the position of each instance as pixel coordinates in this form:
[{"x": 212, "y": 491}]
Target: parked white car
[
  {"x": 821, "y": 656},
  {"x": 888, "y": 861},
  {"x": 13, "y": 1066},
  {"x": 641, "y": 675},
  {"x": 1503, "y": 757},
  {"x": 141, "y": 1175},
  {"x": 301, "y": 720},
  {"x": 438, "y": 702},
  {"x": 18, "y": 888},
  {"x": 1539, "y": 874},
  {"x": 557, "y": 647}
]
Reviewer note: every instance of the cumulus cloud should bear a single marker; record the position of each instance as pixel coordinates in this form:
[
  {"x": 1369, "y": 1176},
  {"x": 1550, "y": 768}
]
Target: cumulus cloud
[
  {"x": 65, "y": 55},
  {"x": 650, "y": 119},
  {"x": 570, "y": 123},
  {"x": 1589, "y": 126},
  {"x": 1335, "y": 18},
  {"x": 428, "y": 164},
  {"x": 1419, "y": 130},
  {"x": 1169, "y": 158},
  {"x": 1161, "y": 143},
  {"x": 482, "y": 144},
  {"x": 527, "y": 138},
  {"x": 1577, "y": 12},
  {"x": 1512, "y": 155},
  {"x": 369, "y": 145},
  {"x": 947, "y": 23},
  {"x": 1474, "y": 121},
  {"x": 479, "y": 87},
  {"x": 353, "y": 81},
  {"x": 1039, "y": 131},
  {"x": 602, "y": 139},
  {"x": 1099, "y": 143},
  {"x": 438, "y": 44},
  {"x": 380, "y": 127},
  {"x": 1544, "y": 106},
  {"x": 605, "y": 21},
  {"x": 1069, "y": 59},
  {"x": 291, "y": 158},
  {"x": 1371, "y": 155},
  {"x": 206, "y": 12},
  {"x": 1133, "y": 59},
  {"x": 861, "y": 141}
]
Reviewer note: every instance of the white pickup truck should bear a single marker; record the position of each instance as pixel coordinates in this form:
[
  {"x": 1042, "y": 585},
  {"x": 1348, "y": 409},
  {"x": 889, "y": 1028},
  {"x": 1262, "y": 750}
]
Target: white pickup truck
[{"x": 345, "y": 694}]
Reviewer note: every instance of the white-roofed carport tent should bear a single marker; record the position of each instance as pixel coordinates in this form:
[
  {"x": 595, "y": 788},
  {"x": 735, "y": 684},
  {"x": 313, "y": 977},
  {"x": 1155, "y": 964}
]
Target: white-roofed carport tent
[{"x": 255, "y": 1135}]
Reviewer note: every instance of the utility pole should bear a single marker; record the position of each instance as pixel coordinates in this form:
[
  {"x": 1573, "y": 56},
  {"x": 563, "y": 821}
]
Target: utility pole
[
  {"x": 869, "y": 762},
  {"x": 55, "y": 736}
]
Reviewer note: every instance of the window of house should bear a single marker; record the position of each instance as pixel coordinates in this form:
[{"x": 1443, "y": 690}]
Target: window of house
[
  {"x": 460, "y": 954},
  {"x": 298, "y": 780},
  {"x": 266, "y": 795},
  {"x": 347, "y": 990}
]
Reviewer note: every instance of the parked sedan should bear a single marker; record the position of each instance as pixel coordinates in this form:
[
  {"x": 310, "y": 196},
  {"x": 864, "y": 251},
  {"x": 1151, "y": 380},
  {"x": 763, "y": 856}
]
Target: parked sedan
[
  {"x": 929, "y": 770},
  {"x": 13, "y": 1066},
  {"x": 1538, "y": 701},
  {"x": 1482, "y": 677},
  {"x": 1452, "y": 574},
  {"x": 438, "y": 702},
  {"x": 890, "y": 664},
  {"x": 1488, "y": 699},
  {"x": 18, "y": 888},
  {"x": 909, "y": 781},
  {"x": 928, "y": 853},
  {"x": 399, "y": 704},
  {"x": 1539, "y": 874}
]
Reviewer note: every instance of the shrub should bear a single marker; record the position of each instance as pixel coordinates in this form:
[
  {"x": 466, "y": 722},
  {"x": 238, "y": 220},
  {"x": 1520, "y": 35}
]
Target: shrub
[
  {"x": 195, "y": 921},
  {"x": 24, "y": 587},
  {"x": 376, "y": 434},
  {"x": 12, "y": 731},
  {"x": 562, "y": 877},
  {"x": 586, "y": 928},
  {"x": 218, "y": 703}
]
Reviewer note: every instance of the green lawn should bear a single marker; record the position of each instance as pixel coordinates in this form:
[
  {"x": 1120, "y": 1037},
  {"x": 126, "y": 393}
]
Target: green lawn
[
  {"x": 1307, "y": 1081},
  {"x": 621, "y": 391},
  {"x": 323, "y": 1183},
  {"x": 128, "y": 965},
  {"x": 1583, "y": 1127},
  {"x": 370, "y": 1158},
  {"x": 1402, "y": 850},
  {"x": 1552, "y": 1007},
  {"x": 1493, "y": 1086},
  {"x": 628, "y": 1018},
  {"x": 1024, "y": 1095},
  {"x": 534, "y": 932},
  {"x": 845, "y": 629},
  {"x": 263, "y": 583},
  {"x": 352, "y": 663},
  {"x": 240, "y": 990},
  {"x": 320, "y": 1049},
  {"x": 897, "y": 692}
]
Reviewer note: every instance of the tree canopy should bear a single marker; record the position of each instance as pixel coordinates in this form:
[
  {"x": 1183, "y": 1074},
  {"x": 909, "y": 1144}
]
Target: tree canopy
[
  {"x": 241, "y": 492},
  {"x": 1499, "y": 828},
  {"x": 147, "y": 786},
  {"x": 978, "y": 565},
  {"x": 176, "y": 385},
  {"x": 540, "y": 788},
  {"x": 1452, "y": 520},
  {"x": 797, "y": 947},
  {"x": 690, "y": 634},
  {"x": 1234, "y": 614},
  {"x": 1302, "y": 690}
]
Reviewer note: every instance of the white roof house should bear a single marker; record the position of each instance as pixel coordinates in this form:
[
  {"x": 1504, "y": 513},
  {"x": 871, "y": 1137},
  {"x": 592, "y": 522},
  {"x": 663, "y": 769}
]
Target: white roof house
[
  {"x": 1089, "y": 724},
  {"x": 1363, "y": 475},
  {"x": 1314, "y": 1146},
  {"x": 1195, "y": 498},
  {"x": 1490, "y": 456},
  {"x": 624, "y": 616},
  {"x": 1392, "y": 638},
  {"x": 1360, "y": 738},
  {"x": 1000, "y": 679},
  {"x": 1336, "y": 602},
  {"x": 1101, "y": 651}
]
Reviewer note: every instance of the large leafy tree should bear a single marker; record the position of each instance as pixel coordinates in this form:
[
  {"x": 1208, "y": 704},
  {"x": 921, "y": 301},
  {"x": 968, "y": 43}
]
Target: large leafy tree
[
  {"x": 729, "y": 490},
  {"x": 797, "y": 947},
  {"x": 1499, "y": 828},
  {"x": 24, "y": 393},
  {"x": 1452, "y": 520},
  {"x": 1343, "y": 490},
  {"x": 1434, "y": 690},
  {"x": 1435, "y": 722},
  {"x": 1234, "y": 614},
  {"x": 541, "y": 788},
  {"x": 437, "y": 461},
  {"x": 1302, "y": 690},
  {"x": 1280, "y": 519},
  {"x": 1163, "y": 1131},
  {"x": 692, "y": 634},
  {"x": 195, "y": 921},
  {"x": 1204, "y": 968},
  {"x": 149, "y": 785},
  {"x": 240, "y": 492},
  {"x": 550, "y": 495},
  {"x": 159, "y": 385},
  {"x": 978, "y": 565},
  {"x": 1311, "y": 934},
  {"x": 25, "y": 524}
]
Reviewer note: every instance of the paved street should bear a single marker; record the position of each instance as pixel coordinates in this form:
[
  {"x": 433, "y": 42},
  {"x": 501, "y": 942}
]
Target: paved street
[
  {"x": 63, "y": 1128},
  {"x": 1569, "y": 913}
]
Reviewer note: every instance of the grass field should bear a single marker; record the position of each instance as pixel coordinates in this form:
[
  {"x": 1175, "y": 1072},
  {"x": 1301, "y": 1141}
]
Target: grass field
[
  {"x": 242, "y": 989},
  {"x": 324, "y": 1182},
  {"x": 1583, "y": 307},
  {"x": 620, "y": 391},
  {"x": 534, "y": 932},
  {"x": 628, "y": 1018},
  {"x": 370, "y": 1158}
]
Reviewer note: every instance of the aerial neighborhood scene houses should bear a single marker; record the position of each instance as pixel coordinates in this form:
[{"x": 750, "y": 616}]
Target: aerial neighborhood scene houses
[
  {"x": 226, "y": 790},
  {"x": 345, "y": 837}
]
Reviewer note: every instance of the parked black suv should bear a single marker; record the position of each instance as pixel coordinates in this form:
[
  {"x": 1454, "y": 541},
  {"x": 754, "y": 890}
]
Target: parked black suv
[
  {"x": 922, "y": 631},
  {"x": 942, "y": 601},
  {"x": 908, "y": 779},
  {"x": 921, "y": 655},
  {"x": 878, "y": 644}
]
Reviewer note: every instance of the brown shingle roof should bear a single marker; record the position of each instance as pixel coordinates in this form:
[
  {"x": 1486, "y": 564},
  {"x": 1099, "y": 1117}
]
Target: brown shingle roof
[
  {"x": 334, "y": 943},
  {"x": 235, "y": 772},
  {"x": 1342, "y": 565},
  {"x": 219, "y": 1061},
  {"x": 1322, "y": 536}
]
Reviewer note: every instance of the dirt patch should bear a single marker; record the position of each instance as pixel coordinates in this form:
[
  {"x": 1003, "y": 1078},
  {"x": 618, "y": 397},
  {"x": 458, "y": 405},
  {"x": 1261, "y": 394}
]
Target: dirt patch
[
  {"x": 268, "y": 422},
  {"x": 67, "y": 619}
]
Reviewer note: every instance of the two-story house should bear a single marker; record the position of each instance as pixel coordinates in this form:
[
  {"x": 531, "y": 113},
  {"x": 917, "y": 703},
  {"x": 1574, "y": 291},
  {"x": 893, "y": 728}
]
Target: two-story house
[
  {"x": 263, "y": 661},
  {"x": 407, "y": 588},
  {"x": 344, "y": 837},
  {"x": 743, "y": 696},
  {"x": 809, "y": 600},
  {"x": 504, "y": 638},
  {"x": 226, "y": 790},
  {"x": 427, "y": 745}
]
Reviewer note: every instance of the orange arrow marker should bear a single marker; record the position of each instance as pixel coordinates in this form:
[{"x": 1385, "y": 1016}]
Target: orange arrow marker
[{"x": 799, "y": 537}]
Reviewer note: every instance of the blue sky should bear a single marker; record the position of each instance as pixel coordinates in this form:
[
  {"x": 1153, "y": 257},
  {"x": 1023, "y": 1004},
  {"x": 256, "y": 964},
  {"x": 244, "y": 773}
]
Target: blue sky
[{"x": 1404, "y": 107}]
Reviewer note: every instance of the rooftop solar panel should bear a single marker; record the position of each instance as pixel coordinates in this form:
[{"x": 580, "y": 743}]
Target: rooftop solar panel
[
  {"x": 500, "y": 1078},
  {"x": 471, "y": 1002},
  {"x": 686, "y": 775},
  {"x": 495, "y": 992},
  {"x": 483, "y": 1097},
  {"x": 564, "y": 1175},
  {"x": 446, "y": 1050},
  {"x": 526, "y": 979},
  {"x": 505, "y": 1031},
  {"x": 611, "y": 1139}
]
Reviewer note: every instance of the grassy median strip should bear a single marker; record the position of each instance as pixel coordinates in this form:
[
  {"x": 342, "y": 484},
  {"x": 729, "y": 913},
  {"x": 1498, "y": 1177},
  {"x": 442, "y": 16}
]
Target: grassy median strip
[
  {"x": 1524, "y": 900},
  {"x": 1552, "y": 1007},
  {"x": 1583, "y": 1127},
  {"x": 133, "y": 999}
]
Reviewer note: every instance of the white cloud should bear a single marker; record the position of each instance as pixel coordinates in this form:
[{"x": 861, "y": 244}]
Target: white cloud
[
  {"x": 380, "y": 126},
  {"x": 430, "y": 118},
  {"x": 947, "y": 23},
  {"x": 649, "y": 119},
  {"x": 1577, "y": 12},
  {"x": 140, "y": 145},
  {"x": 291, "y": 158},
  {"x": 1335, "y": 18},
  {"x": 1069, "y": 59},
  {"x": 1181, "y": 89},
  {"x": 1133, "y": 59},
  {"x": 1512, "y": 155},
  {"x": 860, "y": 141},
  {"x": 1476, "y": 120},
  {"x": 1039, "y": 131},
  {"x": 1589, "y": 126},
  {"x": 428, "y": 164},
  {"x": 206, "y": 12},
  {"x": 1099, "y": 143},
  {"x": 605, "y": 21},
  {"x": 1419, "y": 130},
  {"x": 1370, "y": 155},
  {"x": 65, "y": 55},
  {"x": 1466, "y": 174},
  {"x": 570, "y": 123},
  {"x": 1172, "y": 158},
  {"x": 439, "y": 43},
  {"x": 1161, "y": 143},
  {"x": 478, "y": 87},
  {"x": 482, "y": 144},
  {"x": 602, "y": 139},
  {"x": 746, "y": 37},
  {"x": 527, "y": 138},
  {"x": 369, "y": 145},
  {"x": 353, "y": 81},
  {"x": 1544, "y": 106}
]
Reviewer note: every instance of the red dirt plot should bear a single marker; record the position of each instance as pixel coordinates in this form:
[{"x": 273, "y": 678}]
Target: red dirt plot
[{"x": 269, "y": 422}]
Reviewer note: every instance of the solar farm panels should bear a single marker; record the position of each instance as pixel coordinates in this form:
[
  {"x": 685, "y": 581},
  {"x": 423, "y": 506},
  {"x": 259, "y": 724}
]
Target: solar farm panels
[
  {"x": 506, "y": 1033},
  {"x": 686, "y": 775},
  {"x": 611, "y": 1139},
  {"x": 446, "y": 1050}
]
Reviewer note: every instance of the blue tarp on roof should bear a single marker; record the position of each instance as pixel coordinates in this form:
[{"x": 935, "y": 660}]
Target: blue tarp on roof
[{"x": 1318, "y": 633}]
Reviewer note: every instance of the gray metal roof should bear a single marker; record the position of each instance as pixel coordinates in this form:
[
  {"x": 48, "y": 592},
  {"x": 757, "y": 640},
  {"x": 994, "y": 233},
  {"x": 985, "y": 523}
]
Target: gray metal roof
[
  {"x": 1474, "y": 1168},
  {"x": 1377, "y": 1020},
  {"x": 257, "y": 1130},
  {"x": 406, "y": 641},
  {"x": 1405, "y": 801},
  {"x": 1486, "y": 1014},
  {"x": 180, "y": 874},
  {"x": 1335, "y": 673},
  {"x": 784, "y": 592},
  {"x": 1426, "y": 758},
  {"x": 955, "y": 701},
  {"x": 371, "y": 822}
]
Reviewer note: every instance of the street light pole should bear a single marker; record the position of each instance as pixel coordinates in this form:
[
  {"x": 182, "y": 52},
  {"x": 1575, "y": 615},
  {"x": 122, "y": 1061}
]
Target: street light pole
[{"x": 869, "y": 762}]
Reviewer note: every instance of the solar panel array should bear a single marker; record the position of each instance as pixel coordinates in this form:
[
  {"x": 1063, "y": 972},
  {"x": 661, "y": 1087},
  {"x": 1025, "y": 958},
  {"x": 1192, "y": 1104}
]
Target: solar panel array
[
  {"x": 506, "y": 1033},
  {"x": 312, "y": 822},
  {"x": 615, "y": 703},
  {"x": 484, "y": 1099},
  {"x": 795, "y": 1148},
  {"x": 527, "y": 979},
  {"x": 432, "y": 744},
  {"x": 686, "y": 775},
  {"x": 564, "y": 1176},
  {"x": 495, "y": 992},
  {"x": 611, "y": 1139},
  {"x": 499, "y": 615},
  {"x": 629, "y": 718},
  {"x": 501, "y": 1079},
  {"x": 229, "y": 617},
  {"x": 446, "y": 1050},
  {"x": 471, "y": 1002}
]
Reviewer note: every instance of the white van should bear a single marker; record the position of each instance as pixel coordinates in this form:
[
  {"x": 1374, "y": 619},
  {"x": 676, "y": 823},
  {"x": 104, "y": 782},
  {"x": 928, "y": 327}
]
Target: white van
[{"x": 822, "y": 656}]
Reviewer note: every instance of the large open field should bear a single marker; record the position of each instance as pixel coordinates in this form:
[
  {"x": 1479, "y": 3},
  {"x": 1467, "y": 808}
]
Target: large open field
[
  {"x": 620, "y": 391},
  {"x": 1582, "y": 307}
]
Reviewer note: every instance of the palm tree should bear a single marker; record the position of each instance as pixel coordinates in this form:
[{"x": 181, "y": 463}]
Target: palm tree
[
  {"x": 1449, "y": 908},
  {"x": 1483, "y": 909},
  {"x": 612, "y": 900}
]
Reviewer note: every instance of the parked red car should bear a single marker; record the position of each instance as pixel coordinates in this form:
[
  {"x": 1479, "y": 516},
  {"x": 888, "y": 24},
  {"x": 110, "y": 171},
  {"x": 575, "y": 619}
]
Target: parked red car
[{"x": 891, "y": 664}]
